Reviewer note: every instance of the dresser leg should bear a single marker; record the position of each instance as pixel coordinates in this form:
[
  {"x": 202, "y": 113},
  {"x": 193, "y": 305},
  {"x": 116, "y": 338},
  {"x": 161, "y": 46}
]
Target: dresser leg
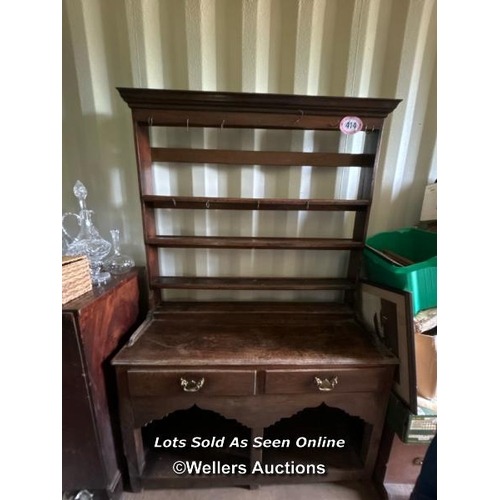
[
  {"x": 135, "y": 484},
  {"x": 255, "y": 453},
  {"x": 131, "y": 437}
]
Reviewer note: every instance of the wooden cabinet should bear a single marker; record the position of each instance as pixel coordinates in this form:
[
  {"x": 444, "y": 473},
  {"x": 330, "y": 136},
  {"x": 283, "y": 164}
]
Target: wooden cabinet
[
  {"x": 398, "y": 465},
  {"x": 94, "y": 326},
  {"x": 236, "y": 375},
  {"x": 302, "y": 372}
]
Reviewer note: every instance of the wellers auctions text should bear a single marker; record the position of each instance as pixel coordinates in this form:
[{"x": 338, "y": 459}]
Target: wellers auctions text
[{"x": 218, "y": 468}]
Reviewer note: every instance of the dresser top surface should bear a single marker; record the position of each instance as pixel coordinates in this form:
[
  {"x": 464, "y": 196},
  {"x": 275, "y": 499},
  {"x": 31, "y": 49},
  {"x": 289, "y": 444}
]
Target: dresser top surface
[
  {"x": 248, "y": 339},
  {"x": 99, "y": 292}
]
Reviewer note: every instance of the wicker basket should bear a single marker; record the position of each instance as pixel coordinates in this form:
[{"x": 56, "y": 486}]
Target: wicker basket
[{"x": 75, "y": 277}]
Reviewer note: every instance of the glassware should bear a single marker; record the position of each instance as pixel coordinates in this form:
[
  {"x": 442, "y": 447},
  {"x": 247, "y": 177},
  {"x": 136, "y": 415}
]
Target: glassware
[
  {"x": 88, "y": 240},
  {"x": 118, "y": 263}
]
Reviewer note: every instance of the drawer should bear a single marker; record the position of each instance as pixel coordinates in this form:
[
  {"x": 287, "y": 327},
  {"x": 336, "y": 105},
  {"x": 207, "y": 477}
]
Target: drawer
[
  {"x": 325, "y": 381},
  {"x": 157, "y": 382}
]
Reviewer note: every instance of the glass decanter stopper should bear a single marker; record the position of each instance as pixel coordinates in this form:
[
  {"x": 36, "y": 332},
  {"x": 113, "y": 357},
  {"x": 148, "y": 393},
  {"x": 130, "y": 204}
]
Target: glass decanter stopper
[
  {"x": 88, "y": 241},
  {"x": 118, "y": 263}
]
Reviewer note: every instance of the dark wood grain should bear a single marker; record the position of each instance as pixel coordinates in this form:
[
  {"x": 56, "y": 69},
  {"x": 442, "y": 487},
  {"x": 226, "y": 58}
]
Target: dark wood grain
[
  {"x": 209, "y": 308},
  {"x": 131, "y": 434},
  {"x": 146, "y": 186},
  {"x": 241, "y": 102},
  {"x": 94, "y": 326},
  {"x": 155, "y": 382},
  {"x": 221, "y": 203},
  {"x": 271, "y": 158},
  {"x": 262, "y": 410},
  {"x": 260, "y": 243},
  {"x": 247, "y": 283},
  {"x": 293, "y": 120},
  {"x": 303, "y": 380},
  {"x": 248, "y": 339},
  {"x": 398, "y": 463},
  {"x": 77, "y": 417}
]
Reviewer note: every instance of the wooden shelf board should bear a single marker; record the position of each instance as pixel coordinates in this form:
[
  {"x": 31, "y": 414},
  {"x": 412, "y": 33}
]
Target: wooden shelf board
[
  {"x": 257, "y": 243},
  {"x": 220, "y": 203},
  {"x": 264, "y": 283},
  {"x": 269, "y": 158},
  {"x": 312, "y": 309}
]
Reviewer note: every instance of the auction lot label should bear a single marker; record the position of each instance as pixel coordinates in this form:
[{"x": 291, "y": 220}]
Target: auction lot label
[
  {"x": 218, "y": 467},
  {"x": 257, "y": 442}
]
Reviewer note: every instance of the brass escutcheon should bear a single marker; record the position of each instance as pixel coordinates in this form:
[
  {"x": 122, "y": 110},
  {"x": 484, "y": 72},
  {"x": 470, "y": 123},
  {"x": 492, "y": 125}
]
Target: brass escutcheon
[
  {"x": 192, "y": 385},
  {"x": 326, "y": 384}
]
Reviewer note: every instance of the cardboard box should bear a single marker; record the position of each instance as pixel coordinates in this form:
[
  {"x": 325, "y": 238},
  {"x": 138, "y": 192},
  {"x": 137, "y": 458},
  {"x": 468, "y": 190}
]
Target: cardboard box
[
  {"x": 426, "y": 363},
  {"x": 429, "y": 205}
]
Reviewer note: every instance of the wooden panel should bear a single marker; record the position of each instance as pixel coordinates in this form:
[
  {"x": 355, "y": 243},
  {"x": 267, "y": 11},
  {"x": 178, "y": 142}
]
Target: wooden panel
[
  {"x": 241, "y": 102},
  {"x": 143, "y": 158},
  {"x": 261, "y": 243},
  {"x": 251, "y": 119},
  {"x": 95, "y": 325},
  {"x": 303, "y": 381},
  {"x": 77, "y": 416},
  {"x": 203, "y": 202},
  {"x": 210, "y": 382},
  {"x": 405, "y": 461},
  {"x": 205, "y": 283},
  {"x": 145, "y": 178},
  {"x": 261, "y": 410},
  {"x": 270, "y": 158},
  {"x": 296, "y": 339},
  {"x": 312, "y": 309}
]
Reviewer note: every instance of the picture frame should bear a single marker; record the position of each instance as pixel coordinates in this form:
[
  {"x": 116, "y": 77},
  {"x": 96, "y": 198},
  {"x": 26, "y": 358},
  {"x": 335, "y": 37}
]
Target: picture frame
[{"x": 387, "y": 313}]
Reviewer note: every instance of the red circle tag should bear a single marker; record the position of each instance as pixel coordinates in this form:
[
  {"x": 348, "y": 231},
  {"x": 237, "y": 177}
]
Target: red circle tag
[{"x": 351, "y": 124}]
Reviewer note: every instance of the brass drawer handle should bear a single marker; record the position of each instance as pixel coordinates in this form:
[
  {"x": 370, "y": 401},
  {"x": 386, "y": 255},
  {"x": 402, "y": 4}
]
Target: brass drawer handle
[
  {"x": 418, "y": 461},
  {"x": 192, "y": 385},
  {"x": 326, "y": 384}
]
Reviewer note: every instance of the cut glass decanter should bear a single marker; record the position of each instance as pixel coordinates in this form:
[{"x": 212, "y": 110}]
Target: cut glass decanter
[
  {"x": 88, "y": 241},
  {"x": 118, "y": 263}
]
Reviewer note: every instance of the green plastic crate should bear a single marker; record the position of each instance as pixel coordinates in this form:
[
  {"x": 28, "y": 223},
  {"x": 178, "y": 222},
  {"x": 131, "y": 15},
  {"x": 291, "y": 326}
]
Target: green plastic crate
[{"x": 420, "y": 278}]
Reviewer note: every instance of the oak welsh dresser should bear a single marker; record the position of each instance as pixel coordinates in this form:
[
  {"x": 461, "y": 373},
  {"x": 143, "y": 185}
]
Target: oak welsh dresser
[{"x": 256, "y": 392}]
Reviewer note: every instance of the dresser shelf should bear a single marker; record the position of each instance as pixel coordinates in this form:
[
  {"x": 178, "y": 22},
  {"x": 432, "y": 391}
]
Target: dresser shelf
[{"x": 221, "y": 203}]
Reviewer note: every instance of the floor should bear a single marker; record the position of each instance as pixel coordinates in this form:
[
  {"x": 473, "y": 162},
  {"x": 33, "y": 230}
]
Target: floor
[{"x": 320, "y": 491}]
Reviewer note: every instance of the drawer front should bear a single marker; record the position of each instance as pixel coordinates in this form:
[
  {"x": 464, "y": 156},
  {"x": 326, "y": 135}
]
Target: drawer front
[
  {"x": 324, "y": 381},
  {"x": 185, "y": 382}
]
